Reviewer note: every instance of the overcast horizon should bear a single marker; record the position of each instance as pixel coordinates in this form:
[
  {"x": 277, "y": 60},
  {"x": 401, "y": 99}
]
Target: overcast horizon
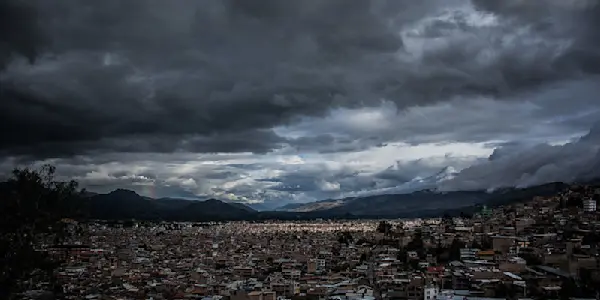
[{"x": 261, "y": 101}]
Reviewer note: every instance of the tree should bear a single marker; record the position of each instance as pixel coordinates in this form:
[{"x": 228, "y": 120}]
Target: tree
[
  {"x": 588, "y": 283},
  {"x": 363, "y": 257},
  {"x": 33, "y": 204},
  {"x": 441, "y": 253},
  {"x": 465, "y": 215},
  {"x": 345, "y": 238},
  {"x": 384, "y": 227},
  {"x": 506, "y": 291},
  {"x": 531, "y": 259},
  {"x": 414, "y": 264},
  {"x": 568, "y": 289},
  {"x": 486, "y": 243},
  {"x": 574, "y": 202},
  {"x": 446, "y": 218},
  {"x": 455, "y": 249},
  {"x": 416, "y": 243},
  {"x": 402, "y": 255},
  {"x": 400, "y": 226}
]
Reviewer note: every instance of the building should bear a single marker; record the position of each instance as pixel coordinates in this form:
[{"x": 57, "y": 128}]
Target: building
[
  {"x": 431, "y": 292},
  {"x": 503, "y": 244},
  {"x": 589, "y": 205},
  {"x": 311, "y": 266},
  {"x": 256, "y": 295},
  {"x": 468, "y": 253}
]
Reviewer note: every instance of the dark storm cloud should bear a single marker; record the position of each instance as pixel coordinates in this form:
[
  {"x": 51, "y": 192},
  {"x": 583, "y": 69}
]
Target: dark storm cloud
[
  {"x": 526, "y": 165},
  {"x": 321, "y": 182},
  {"x": 579, "y": 18},
  {"x": 19, "y": 32},
  {"x": 327, "y": 143},
  {"x": 119, "y": 69},
  {"x": 199, "y": 76},
  {"x": 557, "y": 113}
]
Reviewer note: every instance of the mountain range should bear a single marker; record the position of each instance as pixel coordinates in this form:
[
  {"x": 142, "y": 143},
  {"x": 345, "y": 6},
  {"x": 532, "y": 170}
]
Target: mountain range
[
  {"x": 416, "y": 185},
  {"x": 124, "y": 204},
  {"x": 426, "y": 202}
]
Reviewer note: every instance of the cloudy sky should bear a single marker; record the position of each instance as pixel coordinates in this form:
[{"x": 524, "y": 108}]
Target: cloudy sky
[{"x": 295, "y": 101}]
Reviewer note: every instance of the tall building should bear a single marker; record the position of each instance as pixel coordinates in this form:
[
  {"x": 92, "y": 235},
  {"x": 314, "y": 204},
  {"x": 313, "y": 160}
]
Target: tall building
[
  {"x": 486, "y": 212},
  {"x": 589, "y": 205}
]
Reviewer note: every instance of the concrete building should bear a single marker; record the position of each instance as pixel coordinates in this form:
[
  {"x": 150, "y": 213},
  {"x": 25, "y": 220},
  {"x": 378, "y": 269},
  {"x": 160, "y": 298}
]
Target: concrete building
[
  {"x": 431, "y": 292},
  {"x": 589, "y": 205},
  {"x": 468, "y": 253}
]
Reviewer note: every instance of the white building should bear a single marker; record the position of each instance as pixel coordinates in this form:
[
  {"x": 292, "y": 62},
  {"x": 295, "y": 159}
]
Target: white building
[
  {"x": 431, "y": 292},
  {"x": 468, "y": 253},
  {"x": 589, "y": 205}
]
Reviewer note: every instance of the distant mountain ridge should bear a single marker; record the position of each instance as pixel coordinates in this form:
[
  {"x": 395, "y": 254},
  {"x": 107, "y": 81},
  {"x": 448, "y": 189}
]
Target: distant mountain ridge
[
  {"x": 124, "y": 204},
  {"x": 423, "y": 202},
  {"x": 431, "y": 203},
  {"x": 313, "y": 206}
]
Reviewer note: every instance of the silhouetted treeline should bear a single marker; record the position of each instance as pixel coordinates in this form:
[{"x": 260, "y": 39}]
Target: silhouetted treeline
[{"x": 32, "y": 204}]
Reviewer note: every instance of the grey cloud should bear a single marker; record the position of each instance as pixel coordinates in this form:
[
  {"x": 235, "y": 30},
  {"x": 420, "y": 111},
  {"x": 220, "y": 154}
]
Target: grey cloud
[
  {"x": 556, "y": 113},
  {"x": 256, "y": 141},
  {"x": 579, "y": 18},
  {"x": 152, "y": 174},
  {"x": 222, "y": 175},
  {"x": 410, "y": 176},
  {"x": 318, "y": 182},
  {"x": 303, "y": 181},
  {"x": 159, "y": 74},
  {"x": 403, "y": 172},
  {"x": 19, "y": 31},
  {"x": 522, "y": 166},
  {"x": 328, "y": 143}
]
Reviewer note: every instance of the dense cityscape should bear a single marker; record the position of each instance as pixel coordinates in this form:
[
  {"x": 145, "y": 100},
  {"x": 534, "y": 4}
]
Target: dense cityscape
[{"x": 545, "y": 248}]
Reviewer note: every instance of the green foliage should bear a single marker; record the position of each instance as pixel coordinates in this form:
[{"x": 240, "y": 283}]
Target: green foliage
[
  {"x": 531, "y": 259},
  {"x": 414, "y": 264},
  {"x": 384, "y": 227},
  {"x": 416, "y": 244},
  {"x": 341, "y": 268},
  {"x": 402, "y": 255},
  {"x": 506, "y": 290},
  {"x": 455, "y": 249},
  {"x": 363, "y": 257},
  {"x": 33, "y": 203},
  {"x": 568, "y": 289},
  {"x": 345, "y": 238}
]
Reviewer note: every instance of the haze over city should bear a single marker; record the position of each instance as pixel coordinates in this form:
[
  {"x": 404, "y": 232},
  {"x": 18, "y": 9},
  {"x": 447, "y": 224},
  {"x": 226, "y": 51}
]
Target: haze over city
[{"x": 296, "y": 101}]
